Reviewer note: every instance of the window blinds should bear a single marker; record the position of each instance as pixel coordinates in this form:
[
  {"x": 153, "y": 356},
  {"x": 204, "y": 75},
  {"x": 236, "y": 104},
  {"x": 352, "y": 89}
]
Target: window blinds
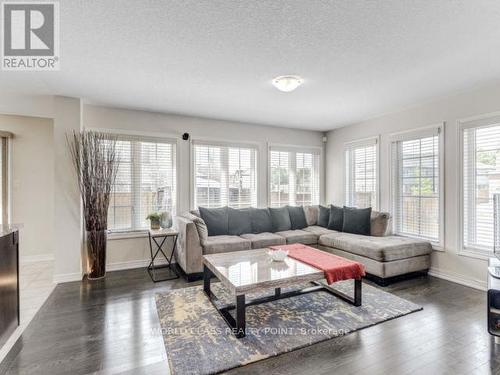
[
  {"x": 224, "y": 175},
  {"x": 416, "y": 184},
  {"x": 145, "y": 182},
  {"x": 294, "y": 176},
  {"x": 361, "y": 173},
  {"x": 481, "y": 179}
]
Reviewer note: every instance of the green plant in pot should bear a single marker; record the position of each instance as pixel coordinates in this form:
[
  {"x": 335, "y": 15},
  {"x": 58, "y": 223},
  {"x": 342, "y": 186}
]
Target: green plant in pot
[{"x": 154, "y": 220}]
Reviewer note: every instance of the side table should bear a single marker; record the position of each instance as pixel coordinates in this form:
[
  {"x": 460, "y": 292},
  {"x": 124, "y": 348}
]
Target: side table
[{"x": 159, "y": 238}]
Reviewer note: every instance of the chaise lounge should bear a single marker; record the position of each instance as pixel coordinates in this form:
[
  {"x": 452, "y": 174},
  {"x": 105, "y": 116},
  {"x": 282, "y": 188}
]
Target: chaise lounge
[{"x": 387, "y": 258}]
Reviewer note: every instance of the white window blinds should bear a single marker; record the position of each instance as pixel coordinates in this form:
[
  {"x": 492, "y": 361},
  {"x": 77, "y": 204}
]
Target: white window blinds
[
  {"x": 224, "y": 175},
  {"x": 481, "y": 179},
  {"x": 294, "y": 176},
  {"x": 417, "y": 179},
  {"x": 145, "y": 183},
  {"x": 361, "y": 185}
]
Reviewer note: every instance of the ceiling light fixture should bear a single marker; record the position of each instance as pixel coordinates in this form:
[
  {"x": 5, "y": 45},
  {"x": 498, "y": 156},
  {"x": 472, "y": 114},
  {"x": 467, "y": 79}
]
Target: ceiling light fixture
[{"x": 287, "y": 83}]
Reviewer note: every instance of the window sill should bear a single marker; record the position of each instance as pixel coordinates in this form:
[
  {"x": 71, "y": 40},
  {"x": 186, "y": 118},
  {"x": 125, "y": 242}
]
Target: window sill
[
  {"x": 476, "y": 254},
  {"x": 126, "y": 235}
]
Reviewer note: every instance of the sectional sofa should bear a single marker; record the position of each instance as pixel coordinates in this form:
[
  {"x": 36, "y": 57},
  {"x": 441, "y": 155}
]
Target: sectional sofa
[{"x": 386, "y": 257}]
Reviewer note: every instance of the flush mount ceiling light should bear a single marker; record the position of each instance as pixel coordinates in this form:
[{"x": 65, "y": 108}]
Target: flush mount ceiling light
[{"x": 287, "y": 83}]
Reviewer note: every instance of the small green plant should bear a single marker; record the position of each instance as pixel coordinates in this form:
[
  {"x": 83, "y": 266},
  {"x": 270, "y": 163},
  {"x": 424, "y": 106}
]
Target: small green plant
[{"x": 154, "y": 216}]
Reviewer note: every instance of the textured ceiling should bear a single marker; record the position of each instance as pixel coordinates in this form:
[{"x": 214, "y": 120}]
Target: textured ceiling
[{"x": 216, "y": 58}]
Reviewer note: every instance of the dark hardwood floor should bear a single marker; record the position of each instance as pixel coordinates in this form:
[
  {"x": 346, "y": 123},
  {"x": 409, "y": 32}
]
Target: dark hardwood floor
[{"x": 108, "y": 327}]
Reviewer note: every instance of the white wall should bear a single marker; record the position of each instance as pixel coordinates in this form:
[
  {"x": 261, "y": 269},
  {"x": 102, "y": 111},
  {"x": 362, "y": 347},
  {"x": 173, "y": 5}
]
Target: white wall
[
  {"x": 136, "y": 250},
  {"x": 32, "y": 183},
  {"x": 449, "y": 264}
]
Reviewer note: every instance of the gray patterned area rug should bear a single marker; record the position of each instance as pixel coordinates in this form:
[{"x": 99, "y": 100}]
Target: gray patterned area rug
[{"x": 198, "y": 341}]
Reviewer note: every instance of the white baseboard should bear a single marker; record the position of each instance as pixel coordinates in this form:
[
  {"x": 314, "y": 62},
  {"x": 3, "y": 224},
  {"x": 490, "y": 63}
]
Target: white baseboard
[
  {"x": 67, "y": 277},
  {"x": 119, "y": 266},
  {"x": 459, "y": 279},
  {"x": 36, "y": 258}
]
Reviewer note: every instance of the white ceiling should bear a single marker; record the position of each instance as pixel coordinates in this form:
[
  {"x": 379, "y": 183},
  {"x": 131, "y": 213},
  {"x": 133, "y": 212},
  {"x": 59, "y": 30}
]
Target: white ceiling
[{"x": 216, "y": 58}]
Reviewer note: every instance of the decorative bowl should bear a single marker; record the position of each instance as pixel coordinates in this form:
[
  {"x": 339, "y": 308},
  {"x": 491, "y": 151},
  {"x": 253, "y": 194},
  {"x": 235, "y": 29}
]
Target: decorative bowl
[{"x": 278, "y": 255}]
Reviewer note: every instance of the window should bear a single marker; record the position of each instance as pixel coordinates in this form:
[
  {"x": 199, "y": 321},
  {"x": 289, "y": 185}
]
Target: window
[
  {"x": 294, "y": 176},
  {"x": 417, "y": 184},
  {"x": 145, "y": 182},
  {"x": 480, "y": 180},
  {"x": 361, "y": 173},
  {"x": 224, "y": 175}
]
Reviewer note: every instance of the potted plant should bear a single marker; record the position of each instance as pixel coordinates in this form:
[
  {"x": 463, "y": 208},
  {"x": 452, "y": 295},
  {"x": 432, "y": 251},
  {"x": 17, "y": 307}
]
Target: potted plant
[
  {"x": 154, "y": 219},
  {"x": 96, "y": 164}
]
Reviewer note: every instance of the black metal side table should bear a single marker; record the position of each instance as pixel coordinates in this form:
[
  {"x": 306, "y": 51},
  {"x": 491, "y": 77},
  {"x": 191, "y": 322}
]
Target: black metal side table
[{"x": 162, "y": 235}]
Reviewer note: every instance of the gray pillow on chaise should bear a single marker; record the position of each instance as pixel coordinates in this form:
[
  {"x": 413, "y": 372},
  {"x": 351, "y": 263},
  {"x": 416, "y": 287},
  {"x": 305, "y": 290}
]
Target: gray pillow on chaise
[
  {"x": 297, "y": 217},
  {"x": 239, "y": 221},
  {"x": 336, "y": 219},
  {"x": 323, "y": 216},
  {"x": 281, "y": 219},
  {"x": 357, "y": 220},
  {"x": 216, "y": 220}
]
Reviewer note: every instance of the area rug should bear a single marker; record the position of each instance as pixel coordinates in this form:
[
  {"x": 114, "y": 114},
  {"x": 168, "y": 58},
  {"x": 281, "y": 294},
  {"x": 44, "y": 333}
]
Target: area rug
[{"x": 198, "y": 341}]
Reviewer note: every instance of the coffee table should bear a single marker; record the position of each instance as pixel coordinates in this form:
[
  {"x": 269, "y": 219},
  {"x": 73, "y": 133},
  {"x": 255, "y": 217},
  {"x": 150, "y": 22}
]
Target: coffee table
[{"x": 250, "y": 271}]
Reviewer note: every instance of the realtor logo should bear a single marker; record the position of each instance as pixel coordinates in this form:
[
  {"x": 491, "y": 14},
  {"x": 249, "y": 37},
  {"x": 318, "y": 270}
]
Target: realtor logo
[{"x": 30, "y": 36}]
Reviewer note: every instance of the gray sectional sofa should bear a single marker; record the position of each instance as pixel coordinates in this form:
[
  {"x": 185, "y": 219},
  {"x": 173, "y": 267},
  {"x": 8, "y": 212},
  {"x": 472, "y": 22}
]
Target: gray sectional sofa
[{"x": 386, "y": 257}]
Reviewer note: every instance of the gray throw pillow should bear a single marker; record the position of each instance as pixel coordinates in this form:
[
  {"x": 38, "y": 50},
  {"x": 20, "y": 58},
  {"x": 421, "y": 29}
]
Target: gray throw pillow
[
  {"x": 281, "y": 219},
  {"x": 336, "y": 219},
  {"x": 323, "y": 216},
  {"x": 297, "y": 217},
  {"x": 357, "y": 220},
  {"x": 261, "y": 220},
  {"x": 239, "y": 221},
  {"x": 216, "y": 220}
]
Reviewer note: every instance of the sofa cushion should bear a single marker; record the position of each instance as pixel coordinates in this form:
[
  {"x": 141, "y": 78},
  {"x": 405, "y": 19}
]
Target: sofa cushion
[
  {"x": 239, "y": 221},
  {"x": 357, "y": 220},
  {"x": 299, "y": 236},
  {"x": 261, "y": 220},
  {"x": 379, "y": 223},
  {"x": 323, "y": 216},
  {"x": 336, "y": 219},
  {"x": 297, "y": 217},
  {"x": 312, "y": 213},
  {"x": 224, "y": 244},
  {"x": 382, "y": 249},
  {"x": 216, "y": 220},
  {"x": 266, "y": 239},
  {"x": 281, "y": 219},
  {"x": 318, "y": 231}
]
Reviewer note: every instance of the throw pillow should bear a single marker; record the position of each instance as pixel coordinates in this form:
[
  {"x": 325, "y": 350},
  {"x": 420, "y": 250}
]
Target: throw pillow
[
  {"x": 297, "y": 217},
  {"x": 379, "y": 223},
  {"x": 323, "y": 216},
  {"x": 357, "y": 220},
  {"x": 216, "y": 220},
  {"x": 281, "y": 219},
  {"x": 336, "y": 219},
  {"x": 261, "y": 220},
  {"x": 239, "y": 221},
  {"x": 312, "y": 213}
]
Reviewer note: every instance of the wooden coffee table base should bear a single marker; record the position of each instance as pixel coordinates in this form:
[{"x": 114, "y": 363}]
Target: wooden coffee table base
[{"x": 238, "y": 322}]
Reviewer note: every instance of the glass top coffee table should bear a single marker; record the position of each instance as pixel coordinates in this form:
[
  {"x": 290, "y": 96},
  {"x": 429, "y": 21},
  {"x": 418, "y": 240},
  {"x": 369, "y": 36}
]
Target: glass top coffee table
[{"x": 251, "y": 271}]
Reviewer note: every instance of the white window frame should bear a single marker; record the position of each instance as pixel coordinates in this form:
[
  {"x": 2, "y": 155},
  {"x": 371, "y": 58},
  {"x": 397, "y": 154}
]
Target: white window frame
[
  {"x": 218, "y": 142},
  {"x": 165, "y": 137},
  {"x": 485, "y": 120},
  {"x": 358, "y": 144},
  {"x": 296, "y": 149},
  {"x": 417, "y": 133}
]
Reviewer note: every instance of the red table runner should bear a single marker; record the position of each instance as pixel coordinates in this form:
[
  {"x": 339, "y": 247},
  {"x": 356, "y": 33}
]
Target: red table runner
[{"x": 335, "y": 268}]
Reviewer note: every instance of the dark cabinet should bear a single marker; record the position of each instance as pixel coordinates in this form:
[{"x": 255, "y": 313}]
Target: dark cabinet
[{"x": 9, "y": 284}]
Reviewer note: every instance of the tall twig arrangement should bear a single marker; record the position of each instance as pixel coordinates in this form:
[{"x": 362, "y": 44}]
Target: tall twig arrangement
[{"x": 95, "y": 160}]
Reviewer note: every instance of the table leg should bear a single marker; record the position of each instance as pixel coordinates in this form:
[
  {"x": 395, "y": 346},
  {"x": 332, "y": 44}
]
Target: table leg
[
  {"x": 357, "y": 292},
  {"x": 240, "y": 316},
  {"x": 277, "y": 292},
  {"x": 207, "y": 274}
]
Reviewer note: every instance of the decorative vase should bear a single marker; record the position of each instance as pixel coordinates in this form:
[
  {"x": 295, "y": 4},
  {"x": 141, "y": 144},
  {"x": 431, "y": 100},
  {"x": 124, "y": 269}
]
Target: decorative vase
[
  {"x": 166, "y": 220},
  {"x": 154, "y": 224},
  {"x": 96, "y": 253}
]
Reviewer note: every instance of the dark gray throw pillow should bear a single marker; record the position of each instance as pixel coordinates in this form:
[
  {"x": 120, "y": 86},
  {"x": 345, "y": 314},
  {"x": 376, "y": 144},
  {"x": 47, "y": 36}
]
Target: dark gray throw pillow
[
  {"x": 216, "y": 220},
  {"x": 336, "y": 218},
  {"x": 281, "y": 219},
  {"x": 261, "y": 220},
  {"x": 239, "y": 221},
  {"x": 297, "y": 217},
  {"x": 357, "y": 220},
  {"x": 323, "y": 216}
]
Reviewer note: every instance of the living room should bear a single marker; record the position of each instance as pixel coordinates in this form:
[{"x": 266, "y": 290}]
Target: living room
[{"x": 254, "y": 151}]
